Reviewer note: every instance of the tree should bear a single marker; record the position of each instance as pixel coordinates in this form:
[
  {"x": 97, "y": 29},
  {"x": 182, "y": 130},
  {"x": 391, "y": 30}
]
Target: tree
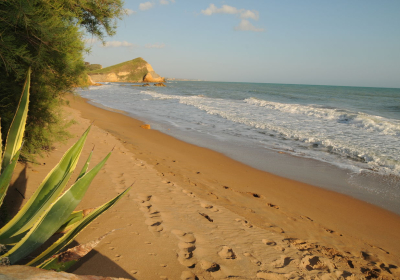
[{"x": 47, "y": 35}]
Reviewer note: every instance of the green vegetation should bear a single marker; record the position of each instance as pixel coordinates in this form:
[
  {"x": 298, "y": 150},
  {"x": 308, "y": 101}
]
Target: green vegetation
[
  {"x": 92, "y": 67},
  {"x": 136, "y": 68},
  {"x": 47, "y": 35},
  {"x": 49, "y": 210}
]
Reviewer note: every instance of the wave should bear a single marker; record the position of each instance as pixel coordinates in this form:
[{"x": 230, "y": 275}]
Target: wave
[
  {"x": 357, "y": 119},
  {"x": 315, "y": 131}
]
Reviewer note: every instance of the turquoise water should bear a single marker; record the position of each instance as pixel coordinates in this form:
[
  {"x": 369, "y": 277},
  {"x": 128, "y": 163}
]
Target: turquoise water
[{"x": 354, "y": 129}]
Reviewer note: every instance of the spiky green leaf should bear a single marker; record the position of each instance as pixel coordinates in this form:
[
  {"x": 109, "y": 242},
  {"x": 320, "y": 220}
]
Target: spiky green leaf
[
  {"x": 6, "y": 175},
  {"x": 74, "y": 218},
  {"x": 17, "y": 128},
  {"x": 64, "y": 260},
  {"x": 85, "y": 166},
  {"x": 54, "y": 217},
  {"x": 46, "y": 194},
  {"x": 67, "y": 238}
]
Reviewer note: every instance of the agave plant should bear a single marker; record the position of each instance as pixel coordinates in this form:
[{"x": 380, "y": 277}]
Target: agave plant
[{"x": 48, "y": 211}]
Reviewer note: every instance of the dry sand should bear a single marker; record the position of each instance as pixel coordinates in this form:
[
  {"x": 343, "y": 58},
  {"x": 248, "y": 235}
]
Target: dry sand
[{"x": 193, "y": 211}]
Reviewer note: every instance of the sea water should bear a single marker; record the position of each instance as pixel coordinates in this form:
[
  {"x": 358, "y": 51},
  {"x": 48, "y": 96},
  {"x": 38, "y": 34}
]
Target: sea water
[{"x": 342, "y": 138}]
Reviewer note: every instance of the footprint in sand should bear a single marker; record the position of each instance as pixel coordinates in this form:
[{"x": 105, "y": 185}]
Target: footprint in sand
[
  {"x": 186, "y": 248},
  {"x": 207, "y": 217},
  {"x": 268, "y": 242},
  {"x": 255, "y": 195},
  {"x": 209, "y": 266},
  {"x": 209, "y": 206},
  {"x": 252, "y": 259},
  {"x": 227, "y": 253},
  {"x": 270, "y": 276},
  {"x": 244, "y": 222},
  {"x": 188, "y": 193},
  {"x": 281, "y": 262},
  {"x": 188, "y": 275},
  {"x": 273, "y": 205},
  {"x": 153, "y": 216}
]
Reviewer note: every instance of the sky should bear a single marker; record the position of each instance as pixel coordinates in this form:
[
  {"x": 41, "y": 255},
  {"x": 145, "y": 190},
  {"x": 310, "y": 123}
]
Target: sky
[{"x": 341, "y": 42}]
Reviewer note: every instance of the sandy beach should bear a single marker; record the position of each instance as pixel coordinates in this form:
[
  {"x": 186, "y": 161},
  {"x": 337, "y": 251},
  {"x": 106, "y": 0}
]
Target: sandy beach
[{"x": 193, "y": 212}]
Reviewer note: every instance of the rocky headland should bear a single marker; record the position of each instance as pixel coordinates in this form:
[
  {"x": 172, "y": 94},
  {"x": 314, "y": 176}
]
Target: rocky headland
[{"x": 134, "y": 71}]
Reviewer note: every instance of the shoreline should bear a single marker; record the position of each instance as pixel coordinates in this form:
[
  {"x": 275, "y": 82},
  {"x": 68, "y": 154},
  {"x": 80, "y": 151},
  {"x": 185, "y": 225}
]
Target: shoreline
[
  {"x": 303, "y": 198},
  {"x": 193, "y": 211},
  {"x": 255, "y": 147}
]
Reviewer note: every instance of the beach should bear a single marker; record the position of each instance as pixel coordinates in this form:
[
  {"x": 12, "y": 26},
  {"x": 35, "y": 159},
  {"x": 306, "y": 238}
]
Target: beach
[{"x": 194, "y": 211}]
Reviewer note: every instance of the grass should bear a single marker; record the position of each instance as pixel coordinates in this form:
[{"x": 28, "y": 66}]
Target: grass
[
  {"x": 136, "y": 68},
  {"x": 122, "y": 67}
]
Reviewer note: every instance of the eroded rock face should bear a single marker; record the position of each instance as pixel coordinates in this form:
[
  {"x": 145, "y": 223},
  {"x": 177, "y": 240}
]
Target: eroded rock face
[
  {"x": 16, "y": 272},
  {"x": 152, "y": 78},
  {"x": 134, "y": 71}
]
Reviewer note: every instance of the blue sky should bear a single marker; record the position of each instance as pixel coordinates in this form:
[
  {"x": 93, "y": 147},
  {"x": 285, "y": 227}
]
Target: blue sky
[{"x": 351, "y": 43}]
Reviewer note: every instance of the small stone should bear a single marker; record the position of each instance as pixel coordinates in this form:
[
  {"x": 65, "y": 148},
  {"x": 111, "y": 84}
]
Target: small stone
[
  {"x": 145, "y": 126},
  {"x": 163, "y": 265}
]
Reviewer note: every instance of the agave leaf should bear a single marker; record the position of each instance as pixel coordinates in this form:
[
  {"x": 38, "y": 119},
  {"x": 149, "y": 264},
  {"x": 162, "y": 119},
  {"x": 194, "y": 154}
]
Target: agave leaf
[
  {"x": 73, "y": 232},
  {"x": 6, "y": 175},
  {"x": 74, "y": 218},
  {"x": 1, "y": 146},
  {"x": 54, "y": 217},
  {"x": 46, "y": 193},
  {"x": 64, "y": 260},
  {"x": 85, "y": 166},
  {"x": 17, "y": 128}
]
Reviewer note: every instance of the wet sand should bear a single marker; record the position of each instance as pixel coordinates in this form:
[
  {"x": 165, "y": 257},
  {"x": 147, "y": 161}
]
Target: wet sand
[{"x": 193, "y": 211}]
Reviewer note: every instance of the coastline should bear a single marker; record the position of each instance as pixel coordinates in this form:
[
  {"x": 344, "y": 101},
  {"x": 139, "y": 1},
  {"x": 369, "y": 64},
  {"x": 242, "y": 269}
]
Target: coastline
[
  {"x": 249, "y": 192},
  {"x": 272, "y": 224}
]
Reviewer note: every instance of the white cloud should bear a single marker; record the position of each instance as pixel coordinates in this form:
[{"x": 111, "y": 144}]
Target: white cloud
[
  {"x": 164, "y": 2},
  {"x": 146, "y": 6},
  {"x": 249, "y": 14},
  {"x": 130, "y": 12},
  {"x": 244, "y": 14},
  {"x": 246, "y": 25},
  {"x": 115, "y": 44},
  {"x": 155, "y": 46},
  {"x": 226, "y": 9}
]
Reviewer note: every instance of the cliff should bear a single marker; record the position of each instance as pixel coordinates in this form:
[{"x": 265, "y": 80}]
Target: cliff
[{"x": 135, "y": 71}]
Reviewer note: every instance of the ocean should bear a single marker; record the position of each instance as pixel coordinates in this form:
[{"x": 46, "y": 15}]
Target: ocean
[{"x": 345, "y": 139}]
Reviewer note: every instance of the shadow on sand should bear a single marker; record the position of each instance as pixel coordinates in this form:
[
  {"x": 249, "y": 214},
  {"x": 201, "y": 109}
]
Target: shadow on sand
[{"x": 94, "y": 263}]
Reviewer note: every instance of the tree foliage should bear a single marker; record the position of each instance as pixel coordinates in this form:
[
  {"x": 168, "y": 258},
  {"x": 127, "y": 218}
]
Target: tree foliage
[{"x": 47, "y": 35}]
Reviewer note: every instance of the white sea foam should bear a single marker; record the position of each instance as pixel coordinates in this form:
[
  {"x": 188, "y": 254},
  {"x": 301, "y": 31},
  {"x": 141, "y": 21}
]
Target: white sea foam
[
  {"x": 356, "y": 129},
  {"x": 357, "y": 141},
  {"x": 357, "y": 119}
]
